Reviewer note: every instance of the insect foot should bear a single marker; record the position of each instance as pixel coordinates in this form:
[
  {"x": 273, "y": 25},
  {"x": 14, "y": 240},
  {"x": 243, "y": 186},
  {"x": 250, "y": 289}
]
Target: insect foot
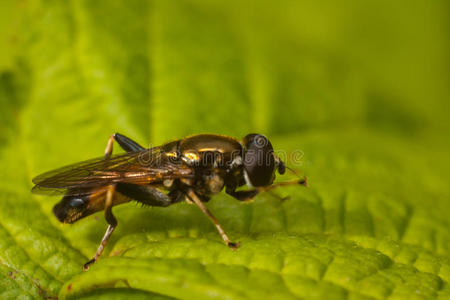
[{"x": 233, "y": 246}]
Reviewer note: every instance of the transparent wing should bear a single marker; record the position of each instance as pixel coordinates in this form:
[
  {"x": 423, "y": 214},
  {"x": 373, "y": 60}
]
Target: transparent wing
[{"x": 141, "y": 167}]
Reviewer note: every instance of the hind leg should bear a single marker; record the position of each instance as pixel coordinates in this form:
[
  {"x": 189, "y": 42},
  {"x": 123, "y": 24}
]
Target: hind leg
[
  {"x": 149, "y": 195},
  {"x": 124, "y": 142},
  {"x": 112, "y": 223}
]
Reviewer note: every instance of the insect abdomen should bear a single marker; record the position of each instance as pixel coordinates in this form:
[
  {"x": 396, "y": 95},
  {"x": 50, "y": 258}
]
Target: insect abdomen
[{"x": 71, "y": 208}]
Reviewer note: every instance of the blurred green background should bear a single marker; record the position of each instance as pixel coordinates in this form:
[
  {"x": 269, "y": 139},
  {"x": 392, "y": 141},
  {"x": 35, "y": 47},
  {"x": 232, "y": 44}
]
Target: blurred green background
[{"x": 360, "y": 87}]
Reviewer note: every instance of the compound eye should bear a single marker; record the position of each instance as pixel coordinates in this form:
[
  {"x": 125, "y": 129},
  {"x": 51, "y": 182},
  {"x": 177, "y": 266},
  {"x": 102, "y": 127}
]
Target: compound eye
[{"x": 259, "y": 160}]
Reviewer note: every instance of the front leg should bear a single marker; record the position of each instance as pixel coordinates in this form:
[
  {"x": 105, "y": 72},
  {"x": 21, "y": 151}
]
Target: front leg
[
  {"x": 242, "y": 195},
  {"x": 250, "y": 194},
  {"x": 303, "y": 181}
]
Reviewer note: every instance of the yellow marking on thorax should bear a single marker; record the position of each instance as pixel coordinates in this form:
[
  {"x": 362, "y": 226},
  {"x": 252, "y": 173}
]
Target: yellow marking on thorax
[
  {"x": 210, "y": 150},
  {"x": 171, "y": 154},
  {"x": 191, "y": 156}
]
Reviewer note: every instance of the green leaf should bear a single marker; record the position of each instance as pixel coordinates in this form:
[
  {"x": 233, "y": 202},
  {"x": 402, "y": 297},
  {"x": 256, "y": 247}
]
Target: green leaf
[{"x": 352, "y": 95}]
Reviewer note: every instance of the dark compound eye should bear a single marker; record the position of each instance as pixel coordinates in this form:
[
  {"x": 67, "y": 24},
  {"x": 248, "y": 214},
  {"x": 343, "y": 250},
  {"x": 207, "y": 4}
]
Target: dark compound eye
[{"x": 259, "y": 161}]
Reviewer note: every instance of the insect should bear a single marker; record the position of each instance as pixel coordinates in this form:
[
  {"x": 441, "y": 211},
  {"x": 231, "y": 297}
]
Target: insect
[{"x": 191, "y": 169}]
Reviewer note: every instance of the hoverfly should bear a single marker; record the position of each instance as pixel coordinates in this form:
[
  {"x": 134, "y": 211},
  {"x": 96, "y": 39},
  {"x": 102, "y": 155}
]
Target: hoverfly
[{"x": 191, "y": 169}]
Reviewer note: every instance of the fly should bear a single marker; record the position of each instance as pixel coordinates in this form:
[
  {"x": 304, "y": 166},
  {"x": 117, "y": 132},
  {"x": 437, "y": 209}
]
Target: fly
[{"x": 191, "y": 169}]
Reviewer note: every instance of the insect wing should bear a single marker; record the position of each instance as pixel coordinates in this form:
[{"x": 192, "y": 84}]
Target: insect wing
[{"x": 142, "y": 167}]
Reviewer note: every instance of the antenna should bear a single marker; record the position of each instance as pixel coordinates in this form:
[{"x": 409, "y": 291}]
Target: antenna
[{"x": 303, "y": 181}]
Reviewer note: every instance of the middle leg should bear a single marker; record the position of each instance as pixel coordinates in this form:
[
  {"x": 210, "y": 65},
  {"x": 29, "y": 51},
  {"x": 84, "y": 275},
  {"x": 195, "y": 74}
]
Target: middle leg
[{"x": 194, "y": 198}]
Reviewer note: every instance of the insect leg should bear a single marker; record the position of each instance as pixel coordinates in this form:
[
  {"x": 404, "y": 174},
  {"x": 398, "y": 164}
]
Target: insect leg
[
  {"x": 302, "y": 181},
  {"x": 191, "y": 195},
  {"x": 127, "y": 144},
  {"x": 250, "y": 194},
  {"x": 109, "y": 146},
  {"x": 112, "y": 223},
  {"x": 148, "y": 195},
  {"x": 124, "y": 142}
]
